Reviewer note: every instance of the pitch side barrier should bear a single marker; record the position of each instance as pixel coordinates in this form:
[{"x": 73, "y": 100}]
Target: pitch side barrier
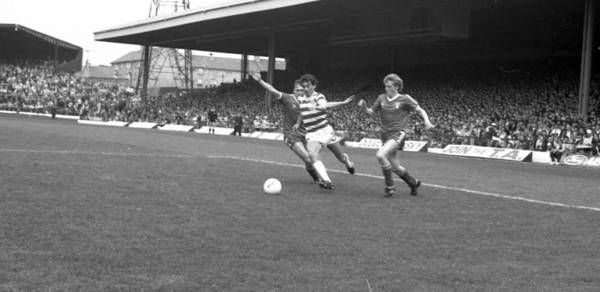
[
  {"x": 368, "y": 143},
  {"x": 488, "y": 152},
  {"x": 409, "y": 146},
  {"x": 218, "y": 130},
  {"x": 580, "y": 160},
  {"x": 101, "y": 123},
  {"x": 31, "y": 114},
  {"x": 142, "y": 125}
]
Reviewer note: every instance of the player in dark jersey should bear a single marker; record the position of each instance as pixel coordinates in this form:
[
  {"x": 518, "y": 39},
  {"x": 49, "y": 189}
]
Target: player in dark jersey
[
  {"x": 394, "y": 110},
  {"x": 293, "y": 136}
]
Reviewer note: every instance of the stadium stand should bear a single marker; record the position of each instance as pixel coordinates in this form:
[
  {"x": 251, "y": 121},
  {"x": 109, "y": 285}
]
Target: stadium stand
[
  {"x": 480, "y": 88},
  {"x": 522, "y": 105},
  {"x": 18, "y": 42}
]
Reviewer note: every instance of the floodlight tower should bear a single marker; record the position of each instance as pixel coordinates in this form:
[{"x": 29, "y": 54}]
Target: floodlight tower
[{"x": 155, "y": 59}]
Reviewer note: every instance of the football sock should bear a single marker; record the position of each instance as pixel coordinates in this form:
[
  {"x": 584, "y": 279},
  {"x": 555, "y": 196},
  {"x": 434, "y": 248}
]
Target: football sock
[
  {"x": 387, "y": 175},
  {"x": 409, "y": 180},
  {"x": 320, "y": 169},
  {"x": 311, "y": 170}
]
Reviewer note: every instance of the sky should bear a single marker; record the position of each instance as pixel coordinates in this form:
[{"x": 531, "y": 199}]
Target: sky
[{"x": 75, "y": 21}]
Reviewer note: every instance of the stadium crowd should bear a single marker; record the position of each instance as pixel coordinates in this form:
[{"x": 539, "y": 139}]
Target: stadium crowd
[{"x": 505, "y": 105}]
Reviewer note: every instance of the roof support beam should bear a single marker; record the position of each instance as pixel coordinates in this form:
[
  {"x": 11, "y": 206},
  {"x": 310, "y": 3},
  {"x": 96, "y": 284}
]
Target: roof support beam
[
  {"x": 586, "y": 59},
  {"x": 145, "y": 73},
  {"x": 244, "y": 67}
]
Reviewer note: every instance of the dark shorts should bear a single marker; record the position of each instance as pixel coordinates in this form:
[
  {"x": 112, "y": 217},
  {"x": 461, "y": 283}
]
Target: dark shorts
[
  {"x": 397, "y": 136},
  {"x": 290, "y": 138}
]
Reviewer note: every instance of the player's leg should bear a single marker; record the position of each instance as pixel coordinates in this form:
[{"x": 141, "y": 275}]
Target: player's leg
[
  {"x": 552, "y": 157},
  {"x": 298, "y": 148},
  {"x": 343, "y": 157},
  {"x": 313, "y": 148},
  {"x": 383, "y": 155},
  {"x": 401, "y": 171}
]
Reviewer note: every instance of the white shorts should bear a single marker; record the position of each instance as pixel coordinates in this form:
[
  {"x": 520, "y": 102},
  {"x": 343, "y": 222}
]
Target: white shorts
[{"x": 324, "y": 136}]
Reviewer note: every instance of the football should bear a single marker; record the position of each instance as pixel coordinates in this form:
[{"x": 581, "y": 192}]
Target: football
[{"x": 272, "y": 186}]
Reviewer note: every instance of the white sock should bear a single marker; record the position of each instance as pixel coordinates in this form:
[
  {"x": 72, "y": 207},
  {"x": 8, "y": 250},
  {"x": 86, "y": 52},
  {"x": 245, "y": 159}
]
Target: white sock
[{"x": 320, "y": 168}]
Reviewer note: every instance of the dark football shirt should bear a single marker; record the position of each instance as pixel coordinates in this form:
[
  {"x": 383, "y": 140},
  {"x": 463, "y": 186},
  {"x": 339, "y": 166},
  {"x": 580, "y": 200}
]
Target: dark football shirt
[
  {"x": 290, "y": 111},
  {"x": 394, "y": 113}
]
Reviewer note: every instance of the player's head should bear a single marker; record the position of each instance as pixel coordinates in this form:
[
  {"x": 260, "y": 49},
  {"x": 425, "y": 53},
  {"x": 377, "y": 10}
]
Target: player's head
[
  {"x": 298, "y": 89},
  {"x": 393, "y": 83},
  {"x": 309, "y": 82}
]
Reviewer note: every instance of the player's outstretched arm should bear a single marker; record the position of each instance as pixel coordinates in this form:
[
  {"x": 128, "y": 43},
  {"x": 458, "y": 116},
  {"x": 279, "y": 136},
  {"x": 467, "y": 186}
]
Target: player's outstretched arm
[
  {"x": 423, "y": 114},
  {"x": 363, "y": 104},
  {"x": 265, "y": 85},
  {"x": 333, "y": 104}
]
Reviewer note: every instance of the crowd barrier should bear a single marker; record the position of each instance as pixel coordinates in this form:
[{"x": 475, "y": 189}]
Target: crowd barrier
[
  {"x": 580, "y": 160},
  {"x": 101, "y": 123},
  {"x": 270, "y": 136},
  {"x": 409, "y": 146},
  {"x": 30, "y": 114},
  {"x": 142, "y": 125},
  {"x": 488, "y": 152},
  {"x": 218, "y": 130},
  {"x": 369, "y": 143},
  {"x": 177, "y": 128}
]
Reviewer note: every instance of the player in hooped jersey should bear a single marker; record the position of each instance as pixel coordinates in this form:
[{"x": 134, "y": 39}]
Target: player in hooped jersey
[
  {"x": 319, "y": 132},
  {"x": 394, "y": 110},
  {"x": 293, "y": 136}
]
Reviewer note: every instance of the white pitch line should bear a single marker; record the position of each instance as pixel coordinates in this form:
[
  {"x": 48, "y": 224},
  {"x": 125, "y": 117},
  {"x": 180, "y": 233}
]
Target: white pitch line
[
  {"x": 133, "y": 154},
  {"x": 508, "y": 197}
]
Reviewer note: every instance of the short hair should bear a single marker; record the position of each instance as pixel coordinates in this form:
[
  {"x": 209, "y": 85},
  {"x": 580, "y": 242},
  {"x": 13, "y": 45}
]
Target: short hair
[
  {"x": 395, "y": 79},
  {"x": 297, "y": 82},
  {"x": 309, "y": 78}
]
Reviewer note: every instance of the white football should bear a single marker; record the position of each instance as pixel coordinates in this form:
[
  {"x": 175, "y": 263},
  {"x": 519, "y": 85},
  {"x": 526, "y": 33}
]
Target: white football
[{"x": 272, "y": 186}]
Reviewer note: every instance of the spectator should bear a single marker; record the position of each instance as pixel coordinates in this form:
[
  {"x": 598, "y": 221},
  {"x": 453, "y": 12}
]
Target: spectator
[
  {"x": 556, "y": 148},
  {"x": 587, "y": 144},
  {"x": 476, "y": 104},
  {"x": 238, "y": 123}
]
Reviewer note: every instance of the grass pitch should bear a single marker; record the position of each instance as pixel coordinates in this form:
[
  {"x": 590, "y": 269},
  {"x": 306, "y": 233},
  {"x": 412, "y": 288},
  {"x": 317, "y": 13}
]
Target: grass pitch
[{"x": 105, "y": 209}]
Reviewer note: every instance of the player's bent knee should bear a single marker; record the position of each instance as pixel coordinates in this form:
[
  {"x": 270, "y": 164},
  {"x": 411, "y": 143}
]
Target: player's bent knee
[
  {"x": 308, "y": 159},
  {"x": 383, "y": 160},
  {"x": 381, "y": 155}
]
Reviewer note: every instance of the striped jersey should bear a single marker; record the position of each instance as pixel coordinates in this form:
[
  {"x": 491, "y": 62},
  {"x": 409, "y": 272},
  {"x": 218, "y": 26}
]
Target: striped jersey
[
  {"x": 312, "y": 118},
  {"x": 394, "y": 112}
]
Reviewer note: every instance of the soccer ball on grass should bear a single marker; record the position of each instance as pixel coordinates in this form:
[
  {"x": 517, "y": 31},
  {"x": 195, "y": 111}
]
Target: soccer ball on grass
[{"x": 272, "y": 186}]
